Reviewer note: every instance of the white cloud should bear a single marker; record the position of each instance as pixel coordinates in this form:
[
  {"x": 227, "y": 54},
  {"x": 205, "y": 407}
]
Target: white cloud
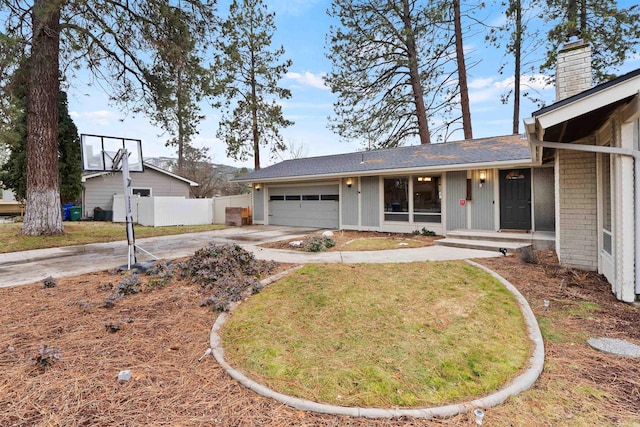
[
  {"x": 96, "y": 118},
  {"x": 309, "y": 79},
  {"x": 490, "y": 89},
  {"x": 480, "y": 83}
]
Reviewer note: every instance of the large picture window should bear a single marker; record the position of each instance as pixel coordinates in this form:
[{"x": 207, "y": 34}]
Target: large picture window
[
  {"x": 426, "y": 199},
  {"x": 396, "y": 199}
]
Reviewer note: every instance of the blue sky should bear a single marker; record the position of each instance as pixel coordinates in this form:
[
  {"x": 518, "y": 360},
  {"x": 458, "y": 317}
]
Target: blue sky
[{"x": 302, "y": 28}]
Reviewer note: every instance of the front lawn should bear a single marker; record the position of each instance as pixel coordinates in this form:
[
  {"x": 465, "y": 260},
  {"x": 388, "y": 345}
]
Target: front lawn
[
  {"x": 79, "y": 233},
  {"x": 393, "y": 335}
]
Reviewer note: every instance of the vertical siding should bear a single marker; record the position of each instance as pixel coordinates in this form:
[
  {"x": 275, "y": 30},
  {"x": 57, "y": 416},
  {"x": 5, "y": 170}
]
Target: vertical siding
[
  {"x": 258, "y": 205},
  {"x": 577, "y": 226},
  {"x": 370, "y": 201},
  {"x": 544, "y": 197},
  {"x": 349, "y": 203},
  {"x": 456, "y": 189},
  {"x": 482, "y": 205}
]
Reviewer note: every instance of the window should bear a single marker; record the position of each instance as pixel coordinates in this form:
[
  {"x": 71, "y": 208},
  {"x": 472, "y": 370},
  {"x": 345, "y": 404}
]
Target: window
[
  {"x": 396, "y": 199},
  {"x": 330, "y": 197},
  {"x": 142, "y": 192},
  {"x": 606, "y": 205},
  {"x": 426, "y": 199},
  {"x": 296, "y": 197},
  {"x": 311, "y": 197},
  {"x": 272, "y": 198}
]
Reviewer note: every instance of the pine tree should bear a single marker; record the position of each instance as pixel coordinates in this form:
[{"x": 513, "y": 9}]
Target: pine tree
[
  {"x": 388, "y": 69},
  {"x": 249, "y": 71},
  {"x": 106, "y": 37},
  {"x": 612, "y": 32}
]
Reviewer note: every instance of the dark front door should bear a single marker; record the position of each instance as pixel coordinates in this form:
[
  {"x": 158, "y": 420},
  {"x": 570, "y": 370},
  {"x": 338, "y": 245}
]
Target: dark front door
[{"x": 515, "y": 199}]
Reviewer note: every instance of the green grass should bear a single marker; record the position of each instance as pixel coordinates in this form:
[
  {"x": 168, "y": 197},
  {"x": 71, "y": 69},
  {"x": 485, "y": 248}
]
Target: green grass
[
  {"x": 388, "y": 335},
  {"x": 78, "y": 233},
  {"x": 381, "y": 243}
]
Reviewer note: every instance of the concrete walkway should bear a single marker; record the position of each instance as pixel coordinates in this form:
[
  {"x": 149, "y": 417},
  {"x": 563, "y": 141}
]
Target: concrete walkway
[{"x": 19, "y": 268}]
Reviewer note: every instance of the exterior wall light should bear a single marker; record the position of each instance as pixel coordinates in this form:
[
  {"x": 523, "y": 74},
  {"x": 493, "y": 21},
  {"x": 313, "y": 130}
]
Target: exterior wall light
[
  {"x": 349, "y": 182},
  {"x": 258, "y": 187},
  {"x": 483, "y": 177}
]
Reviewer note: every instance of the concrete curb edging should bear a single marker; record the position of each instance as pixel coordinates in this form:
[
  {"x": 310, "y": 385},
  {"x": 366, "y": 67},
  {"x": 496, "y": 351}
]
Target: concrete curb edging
[{"x": 519, "y": 384}]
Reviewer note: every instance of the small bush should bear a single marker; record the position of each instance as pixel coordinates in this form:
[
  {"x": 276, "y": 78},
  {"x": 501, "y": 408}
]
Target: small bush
[
  {"x": 161, "y": 274},
  {"x": 49, "y": 282},
  {"x": 318, "y": 243},
  {"x": 426, "y": 232},
  {"x": 225, "y": 273},
  {"x": 128, "y": 286},
  {"x": 47, "y": 356},
  {"x": 527, "y": 255}
]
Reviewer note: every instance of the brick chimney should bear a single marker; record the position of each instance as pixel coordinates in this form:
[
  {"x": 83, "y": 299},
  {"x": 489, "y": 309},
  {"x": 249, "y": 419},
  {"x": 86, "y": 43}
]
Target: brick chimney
[{"x": 573, "y": 72}]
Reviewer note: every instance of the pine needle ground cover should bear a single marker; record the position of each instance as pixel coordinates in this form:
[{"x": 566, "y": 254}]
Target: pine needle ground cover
[{"x": 394, "y": 335}]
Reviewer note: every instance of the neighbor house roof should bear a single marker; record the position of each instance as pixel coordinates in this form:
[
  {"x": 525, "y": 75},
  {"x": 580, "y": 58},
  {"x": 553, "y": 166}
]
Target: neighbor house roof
[
  {"x": 146, "y": 165},
  {"x": 467, "y": 154}
]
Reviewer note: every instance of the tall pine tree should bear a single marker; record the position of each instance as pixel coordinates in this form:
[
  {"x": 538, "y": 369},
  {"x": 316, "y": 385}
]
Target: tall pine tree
[{"x": 249, "y": 71}]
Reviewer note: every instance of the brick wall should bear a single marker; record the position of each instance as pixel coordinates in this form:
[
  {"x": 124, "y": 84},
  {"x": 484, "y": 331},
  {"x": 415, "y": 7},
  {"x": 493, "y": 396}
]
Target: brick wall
[
  {"x": 578, "y": 228},
  {"x": 573, "y": 72}
]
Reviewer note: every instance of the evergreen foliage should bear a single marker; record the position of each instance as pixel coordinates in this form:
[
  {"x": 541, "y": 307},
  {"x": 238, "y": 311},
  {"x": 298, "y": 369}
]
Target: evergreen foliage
[{"x": 249, "y": 71}]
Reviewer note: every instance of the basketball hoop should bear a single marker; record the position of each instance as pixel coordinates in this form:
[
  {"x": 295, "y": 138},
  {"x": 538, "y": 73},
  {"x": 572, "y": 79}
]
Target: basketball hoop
[{"x": 110, "y": 154}]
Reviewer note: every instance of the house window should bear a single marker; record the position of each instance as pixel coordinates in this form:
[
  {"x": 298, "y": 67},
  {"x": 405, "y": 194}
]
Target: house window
[
  {"x": 427, "y": 199},
  {"x": 142, "y": 192},
  {"x": 310, "y": 197},
  {"x": 294, "y": 197},
  {"x": 330, "y": 197},
  {"x": 276, "y": 198},
  {"x": 396, "y": 199}
]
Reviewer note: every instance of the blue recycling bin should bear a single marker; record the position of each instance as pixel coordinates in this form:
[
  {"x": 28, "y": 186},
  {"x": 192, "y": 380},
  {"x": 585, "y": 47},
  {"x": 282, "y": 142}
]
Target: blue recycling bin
[{"x": 66, "y": 211}]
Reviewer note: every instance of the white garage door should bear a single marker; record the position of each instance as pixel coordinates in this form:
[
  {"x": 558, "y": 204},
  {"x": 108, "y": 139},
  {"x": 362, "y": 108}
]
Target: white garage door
[{"x": 308, "y": 206}]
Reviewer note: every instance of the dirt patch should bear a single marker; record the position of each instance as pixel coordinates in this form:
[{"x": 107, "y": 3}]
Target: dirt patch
[
  {"x": 162, "y": 332},
  {"x": 344, "y": 238}
]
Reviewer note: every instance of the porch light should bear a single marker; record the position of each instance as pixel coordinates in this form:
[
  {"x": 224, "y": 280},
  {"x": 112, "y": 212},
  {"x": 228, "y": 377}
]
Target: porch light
[
  {"x": 483, "y": 177},
  {"x": 257, "y": 187},
  {"x": 349, "y": 182}
]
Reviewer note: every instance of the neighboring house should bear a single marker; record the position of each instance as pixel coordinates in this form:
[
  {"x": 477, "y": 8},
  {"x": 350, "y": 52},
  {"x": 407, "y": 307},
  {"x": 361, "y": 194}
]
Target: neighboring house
[
  {"x": 100, "y": 187},
  {"x": 574, "y": 179}
]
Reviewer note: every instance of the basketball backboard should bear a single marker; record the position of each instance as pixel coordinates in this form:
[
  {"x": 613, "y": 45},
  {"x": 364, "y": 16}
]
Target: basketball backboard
[{"x": 98, "y": 152}]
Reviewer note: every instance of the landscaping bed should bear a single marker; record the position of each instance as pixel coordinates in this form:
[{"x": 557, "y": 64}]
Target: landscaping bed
[
  {"x": 162, "y": 332},
  {"x": 346, "y": 240}
]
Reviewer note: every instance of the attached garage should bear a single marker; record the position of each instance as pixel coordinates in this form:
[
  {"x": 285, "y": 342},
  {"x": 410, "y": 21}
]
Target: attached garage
[{"x": 305, "y": 206}]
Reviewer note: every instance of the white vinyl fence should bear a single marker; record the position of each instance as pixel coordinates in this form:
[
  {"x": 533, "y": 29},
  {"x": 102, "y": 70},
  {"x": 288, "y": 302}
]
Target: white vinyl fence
[{"x": 159, "y": 211}]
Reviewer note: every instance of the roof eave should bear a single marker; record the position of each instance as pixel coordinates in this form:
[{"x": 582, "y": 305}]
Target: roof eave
[{"x": 396, "y": 171}]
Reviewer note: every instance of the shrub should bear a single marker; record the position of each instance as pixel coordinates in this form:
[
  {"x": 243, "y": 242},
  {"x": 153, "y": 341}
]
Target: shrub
[
  {"x": 426, "y": 232},
  {"x": 47, "y": 356},
  {"x": 527, "y": 255},
  {"x": 225, "y": 273},
  {"x": 49, "y": 282},
  {"x": 161, "y": 274},
  {"x": 318, "y": 243},
  {"x": 128, "y": 286}
]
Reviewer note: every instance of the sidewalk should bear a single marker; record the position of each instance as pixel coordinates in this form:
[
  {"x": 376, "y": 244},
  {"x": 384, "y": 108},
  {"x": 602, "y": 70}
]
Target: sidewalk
[{"x": 19, "y": 268}]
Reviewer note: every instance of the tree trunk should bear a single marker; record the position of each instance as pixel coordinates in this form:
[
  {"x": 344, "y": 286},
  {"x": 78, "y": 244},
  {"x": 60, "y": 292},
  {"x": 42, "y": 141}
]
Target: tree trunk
[
  {"x": 462, "y": 72},
  {"x": 179, "y": 114},
  {"x": 414, "y": 76},
  {"x": 254, "y": 117},
  {"x": 43, "y": 210},
  {"x": 517, "y": 53}
]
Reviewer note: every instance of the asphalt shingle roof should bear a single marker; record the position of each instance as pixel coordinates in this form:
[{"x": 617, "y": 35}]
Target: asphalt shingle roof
[{"x": 485, "y": 150}]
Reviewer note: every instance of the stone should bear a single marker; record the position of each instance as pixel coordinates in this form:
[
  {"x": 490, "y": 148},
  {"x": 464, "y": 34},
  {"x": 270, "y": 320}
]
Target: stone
[
  {"x": 615, "y": 346},
  {"x": 296, "y": 243},
  {"x": 124, "y": 376},
  {"x": 328, "y": 233}
]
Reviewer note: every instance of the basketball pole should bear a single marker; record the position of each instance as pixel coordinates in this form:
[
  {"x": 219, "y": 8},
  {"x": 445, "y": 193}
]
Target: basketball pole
[{"x": 131, "y": 239}]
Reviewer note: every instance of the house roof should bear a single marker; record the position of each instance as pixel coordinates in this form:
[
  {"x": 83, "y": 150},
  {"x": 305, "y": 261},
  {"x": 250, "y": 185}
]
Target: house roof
[
  {"x": 146, "y": 165},
  {"x": 467, "y": 154},
  {"x": 580, "y": 115}
]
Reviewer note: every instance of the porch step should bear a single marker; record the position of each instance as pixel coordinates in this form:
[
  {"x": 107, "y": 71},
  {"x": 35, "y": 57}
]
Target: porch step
[
  {"x": 491, "y": 235},
  {"x": 486, "y": 245}
]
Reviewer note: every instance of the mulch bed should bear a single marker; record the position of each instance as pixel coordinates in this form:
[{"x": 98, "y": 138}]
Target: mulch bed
[
  {"x": 344, "y": 237},
  {"x": 160, "y": 335}
]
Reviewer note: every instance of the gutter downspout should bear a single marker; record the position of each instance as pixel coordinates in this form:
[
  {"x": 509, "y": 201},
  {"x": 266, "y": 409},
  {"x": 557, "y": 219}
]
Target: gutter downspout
[{"x": 609, "y": 150}]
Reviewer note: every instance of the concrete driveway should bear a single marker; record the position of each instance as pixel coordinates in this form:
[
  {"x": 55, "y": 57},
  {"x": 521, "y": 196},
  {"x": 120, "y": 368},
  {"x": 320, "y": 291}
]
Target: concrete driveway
[{"x": 19, "y": 268}]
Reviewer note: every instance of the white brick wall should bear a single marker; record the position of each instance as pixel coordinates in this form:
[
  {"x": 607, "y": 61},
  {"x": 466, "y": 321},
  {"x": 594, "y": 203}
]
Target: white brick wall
[
  {"x": 573, "y": 72},
  {"x": 578, "y": 227}
]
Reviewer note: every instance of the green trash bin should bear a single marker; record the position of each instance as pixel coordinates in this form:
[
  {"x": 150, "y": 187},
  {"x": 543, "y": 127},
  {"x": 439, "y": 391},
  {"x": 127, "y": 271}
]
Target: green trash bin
[{"x": 75, "y": 213}]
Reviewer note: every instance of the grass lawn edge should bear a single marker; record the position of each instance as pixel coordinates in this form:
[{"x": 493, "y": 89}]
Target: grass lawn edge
[{"x": 518, "y": 384}]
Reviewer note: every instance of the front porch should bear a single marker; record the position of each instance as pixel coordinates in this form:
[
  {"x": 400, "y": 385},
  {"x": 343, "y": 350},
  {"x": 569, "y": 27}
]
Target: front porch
[{"x": 495, "y": 240}]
